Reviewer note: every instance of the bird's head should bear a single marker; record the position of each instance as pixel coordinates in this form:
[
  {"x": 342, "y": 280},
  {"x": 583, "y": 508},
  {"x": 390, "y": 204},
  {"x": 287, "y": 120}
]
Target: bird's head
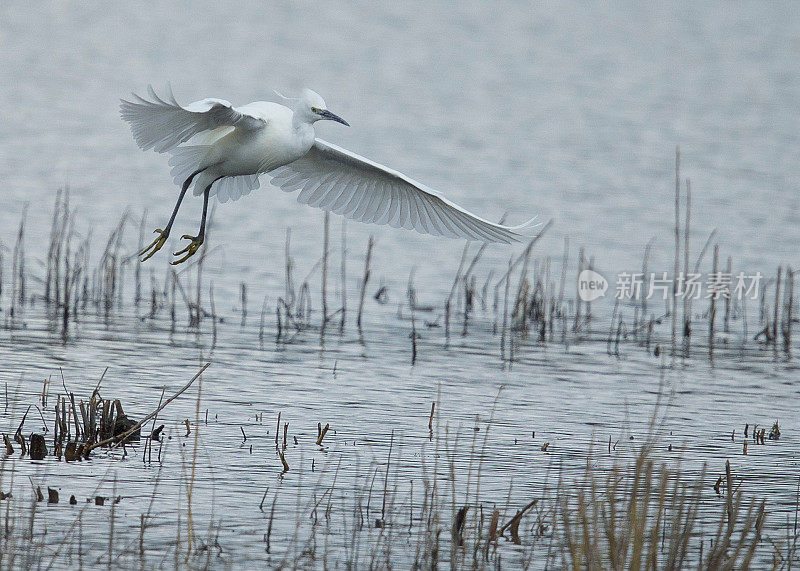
[{"x": 311, "y": 108}]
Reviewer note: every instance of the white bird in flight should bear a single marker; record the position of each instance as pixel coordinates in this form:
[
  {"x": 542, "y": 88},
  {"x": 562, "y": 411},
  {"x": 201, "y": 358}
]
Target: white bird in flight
[{"x": 223, "y": 150}]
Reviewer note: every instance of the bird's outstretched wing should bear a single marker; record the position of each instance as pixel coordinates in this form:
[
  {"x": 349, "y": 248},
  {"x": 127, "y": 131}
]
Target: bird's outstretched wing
[
  {"x": 163, "y": 124},
  {"x": 337, "y": 180}
]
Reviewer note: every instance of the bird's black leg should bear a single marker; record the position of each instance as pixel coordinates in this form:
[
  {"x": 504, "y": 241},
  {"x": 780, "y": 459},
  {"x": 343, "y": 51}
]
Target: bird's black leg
[
  {"x": 196, "y": 241},
  {"x": 156, "y": 244}
]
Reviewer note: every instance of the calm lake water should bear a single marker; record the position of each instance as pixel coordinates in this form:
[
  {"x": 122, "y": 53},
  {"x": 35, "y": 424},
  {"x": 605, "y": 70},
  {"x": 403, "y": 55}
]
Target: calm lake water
[{"x": 572, "y": 113}]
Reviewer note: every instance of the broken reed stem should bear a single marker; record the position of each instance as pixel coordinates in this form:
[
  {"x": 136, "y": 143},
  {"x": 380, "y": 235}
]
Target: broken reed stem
[
  {"x": 364, "y": 281},
  {"x": 121, "y": 437},
  {"x": 322, "y": 434}
]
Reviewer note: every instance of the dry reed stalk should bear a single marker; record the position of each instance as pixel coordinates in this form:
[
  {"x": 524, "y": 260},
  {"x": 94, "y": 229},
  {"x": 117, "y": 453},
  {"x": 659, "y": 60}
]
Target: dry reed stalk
[
  {"x": 676, "y": 267},
  {"x": 243, "y": 298},
  {"x": 262, "y": 322},
  {"x": 687, "y": 304},
  {"x": 470, "y": 285},
  {"x": 137, "y": 272},
  {"x": 563, "y": 279},
  {"x": 54, "y": 239},
  {"x": 214, "y": 313},
  {"x": 788, "y": 295},
  {"x": 505, "y": 316},
  {"x": 325, "y": 244},
  {"x": 386, "y": 483},
  {"x": 190, "y": 486},
  {"x": 776, "y": 309},
  {"x": 343, "y": 269},
  {"x": 148, "y": 445},
  {"x": 611, "y": 329},
  {"x": 364, "y": 282},
  {"x": 18, "y": 268},
  {"x": 448, "y": 302},
  {"x": 577, "y": 321},
  {"x": 514, "y": 263},
  {"x": 643, "y": 305},
  {"x": 712, "y": 313},
  {"x": 492, "y": 537},
  {"x": 727, "y": 296},
  {"x": 412, "y": 304}
]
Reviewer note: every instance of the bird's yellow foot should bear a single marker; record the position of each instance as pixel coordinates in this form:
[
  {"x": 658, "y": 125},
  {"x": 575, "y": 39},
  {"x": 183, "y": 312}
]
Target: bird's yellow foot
[
  {"x": 196, "y": 242},
  {"x": 156, "y": 244}
]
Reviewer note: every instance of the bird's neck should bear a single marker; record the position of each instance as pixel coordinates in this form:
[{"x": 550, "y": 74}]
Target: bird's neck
[
  {"x": 302, "y": 120},
  {"x": 304, "y": 132}
]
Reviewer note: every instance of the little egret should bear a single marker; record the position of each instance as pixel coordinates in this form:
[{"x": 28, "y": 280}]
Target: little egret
[{"x": 223, "y": 149}]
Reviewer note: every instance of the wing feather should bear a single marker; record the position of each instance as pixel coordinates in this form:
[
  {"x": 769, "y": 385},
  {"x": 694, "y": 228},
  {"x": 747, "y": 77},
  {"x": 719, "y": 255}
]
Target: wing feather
[
  {"x": 368, "y": 203},
  {"x": 320, "y": 191},
  {"x": 234, "y": 187},
  {"x": 349, "y": 206},
  {"x": 360, "y": 189},
  {"x": 331, "y": 196},
  {"x": 163, "y": 123}
]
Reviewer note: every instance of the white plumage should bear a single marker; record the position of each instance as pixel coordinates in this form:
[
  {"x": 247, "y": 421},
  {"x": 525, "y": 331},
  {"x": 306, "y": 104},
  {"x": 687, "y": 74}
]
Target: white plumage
[{"x": 223, "y": 149}]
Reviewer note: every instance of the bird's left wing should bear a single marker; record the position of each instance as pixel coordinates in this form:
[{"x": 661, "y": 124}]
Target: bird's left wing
[
  {"x": 345, "y": 183},
  {"x": 163, "y": 124}
]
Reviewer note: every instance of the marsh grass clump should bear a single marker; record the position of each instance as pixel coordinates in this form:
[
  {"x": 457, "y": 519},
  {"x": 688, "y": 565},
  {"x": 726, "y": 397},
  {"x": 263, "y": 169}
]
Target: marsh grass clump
[{"x": 650, "y": 516}]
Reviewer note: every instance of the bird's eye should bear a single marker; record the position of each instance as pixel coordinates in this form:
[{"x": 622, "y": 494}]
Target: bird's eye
[{"x": 315, "y": 109}]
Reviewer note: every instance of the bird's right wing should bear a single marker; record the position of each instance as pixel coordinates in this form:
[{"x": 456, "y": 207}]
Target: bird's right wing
[
  {"x": 163, "y": 124},
  {"x": 345, "y": 183}
]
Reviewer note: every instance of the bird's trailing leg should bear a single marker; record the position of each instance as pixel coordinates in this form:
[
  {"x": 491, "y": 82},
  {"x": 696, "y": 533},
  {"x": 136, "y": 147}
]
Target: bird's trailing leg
[
  {"x": 156, "y": 244},
  {"x": 196, "y": 241}
]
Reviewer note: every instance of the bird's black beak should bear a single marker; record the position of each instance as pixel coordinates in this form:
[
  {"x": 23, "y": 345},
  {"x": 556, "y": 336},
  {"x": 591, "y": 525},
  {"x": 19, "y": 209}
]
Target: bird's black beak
[{"x": 325, "y": 114}]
